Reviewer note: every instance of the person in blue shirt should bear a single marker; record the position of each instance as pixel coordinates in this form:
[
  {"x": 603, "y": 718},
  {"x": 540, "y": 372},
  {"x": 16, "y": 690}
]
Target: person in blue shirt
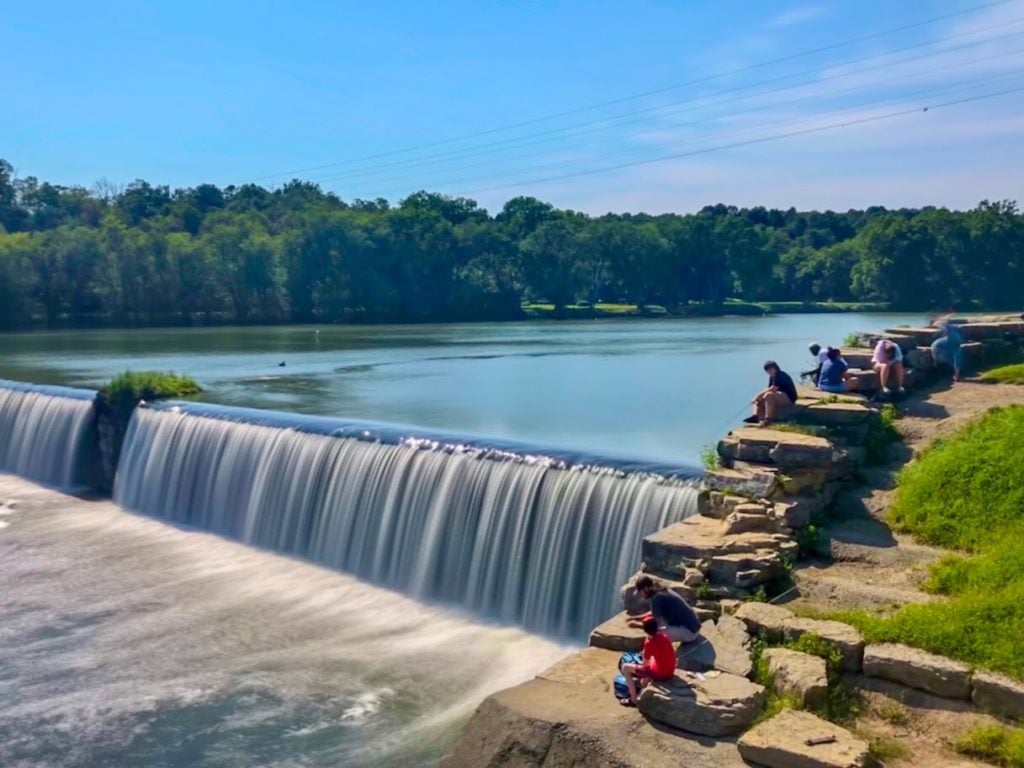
[
  {"x": 946, "y": 349},
  {"x": 835, "y": 374}
]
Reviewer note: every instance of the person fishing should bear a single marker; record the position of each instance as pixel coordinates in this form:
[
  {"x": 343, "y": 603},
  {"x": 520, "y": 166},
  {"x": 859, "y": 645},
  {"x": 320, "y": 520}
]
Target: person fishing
[{"x": 673, "y": 614}]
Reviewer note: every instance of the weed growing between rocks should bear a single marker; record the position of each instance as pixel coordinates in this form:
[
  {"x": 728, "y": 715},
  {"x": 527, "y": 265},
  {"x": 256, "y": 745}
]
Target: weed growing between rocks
[
  {"x": 882, "y": 433},
  {"x": 709, "y": 457},
  {"x": 996, "y": 744}
]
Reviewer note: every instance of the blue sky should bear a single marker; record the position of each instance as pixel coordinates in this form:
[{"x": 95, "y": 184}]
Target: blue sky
[{"x": 229, "y": 92}]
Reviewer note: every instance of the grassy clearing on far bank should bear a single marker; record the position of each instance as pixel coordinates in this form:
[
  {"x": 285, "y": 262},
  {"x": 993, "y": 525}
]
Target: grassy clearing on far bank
[{"x": 966, "y": 493}]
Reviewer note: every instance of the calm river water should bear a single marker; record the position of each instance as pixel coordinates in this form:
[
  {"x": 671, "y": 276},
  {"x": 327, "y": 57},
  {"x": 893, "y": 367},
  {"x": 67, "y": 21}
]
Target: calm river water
[{"x": 657, "y": 389}]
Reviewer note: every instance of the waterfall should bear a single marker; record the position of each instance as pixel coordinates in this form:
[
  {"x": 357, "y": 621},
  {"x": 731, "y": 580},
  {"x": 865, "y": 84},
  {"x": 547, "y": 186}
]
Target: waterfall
[
  {"x": 42, "y": 430},
  {"x": 540, "y": 540}
]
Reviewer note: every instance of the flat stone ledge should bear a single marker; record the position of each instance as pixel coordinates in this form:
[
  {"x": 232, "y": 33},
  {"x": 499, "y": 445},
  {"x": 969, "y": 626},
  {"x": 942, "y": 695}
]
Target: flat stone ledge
[
  {"x": 723, "y": 645},
  {"x": 720, "y": 705},
  {"x": 998, "y": 694},
  {"x": 616, "y": 635},
  {"x": 918, "y": 669},
  {"x": 799, "y": 675},
  {"x": 849, "y": 641},
  {"x": 780, "y": 743},
  {"x": 764, "y": 619}
]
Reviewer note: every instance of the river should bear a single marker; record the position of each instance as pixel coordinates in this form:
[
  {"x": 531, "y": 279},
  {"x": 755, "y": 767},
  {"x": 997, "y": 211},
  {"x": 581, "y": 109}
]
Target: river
[
  {"x": 647, "y": 389},
  {"x": 144, "y": 639}
]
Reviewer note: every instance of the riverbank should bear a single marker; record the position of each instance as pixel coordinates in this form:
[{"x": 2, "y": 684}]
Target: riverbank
[
  {"x": 868, "y": 566},
  {"x": 727, "y": 308}
]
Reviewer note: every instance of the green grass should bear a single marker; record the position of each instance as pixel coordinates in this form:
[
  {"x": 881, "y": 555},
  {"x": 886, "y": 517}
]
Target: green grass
[
  {"x": 709, "y": 457},
  {"x": 851, "y": 340},
  {"x": 996, "y": 744},
  {"x": 1008, "y": 374},
  {"x": 966, "y": 493},
  {"x": 882, "y": 433},
  {"x": 126, "y": 389},
  {"x": 800, "y": 429}
]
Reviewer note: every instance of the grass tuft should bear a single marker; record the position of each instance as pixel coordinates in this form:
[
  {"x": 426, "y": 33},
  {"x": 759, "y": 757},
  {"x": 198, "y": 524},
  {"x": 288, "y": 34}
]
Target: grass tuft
[
  {"x": 996, "y": 744},
  {"x": 1008, "y": 374}
]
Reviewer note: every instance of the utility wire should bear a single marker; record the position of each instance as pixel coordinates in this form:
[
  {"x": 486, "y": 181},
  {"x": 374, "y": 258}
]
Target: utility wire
[
  {"x": 643, "y": 94},
  {"x": 775, "y": 105},
  {"x": 855, "y": 109},
  {"x": 734, "y": 145},
  {"x": 636, "y": 116}
]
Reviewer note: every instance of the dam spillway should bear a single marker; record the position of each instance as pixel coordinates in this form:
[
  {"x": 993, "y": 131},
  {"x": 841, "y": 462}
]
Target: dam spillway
[
  {"x": 43, "y": 431},
  {"x": 536, "y": 538}
]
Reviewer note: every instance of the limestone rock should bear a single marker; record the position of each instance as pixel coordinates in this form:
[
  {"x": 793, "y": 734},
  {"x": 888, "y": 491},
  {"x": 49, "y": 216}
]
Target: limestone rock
[
  {"x": 744, "y": 522},
  {"x": 797, "y": 482},
  {"x": 918, "y": 669},
  {"x": 724, "y": 645},
  {"x": 849, "y": 641},
  {"x": 835, "y": 414},
  {"x": 921, "y": 336},
  {"x": 764, "y": 619},
  {"x": 720, "y": 705},
  {"x": 781, "y": 743},
  {"x": 998, "y": 694},
  {"x": 696, "y": 540},
  {"x": 786, "y": 449},
  {"x": 754, "y": 484},
  {"x": 799, "y": 675},
  {"x": 616, "y": 635}
]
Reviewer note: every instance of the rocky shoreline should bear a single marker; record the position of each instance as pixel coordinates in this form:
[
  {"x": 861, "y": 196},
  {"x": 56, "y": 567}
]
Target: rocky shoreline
[{"x": 755, "y": 518}]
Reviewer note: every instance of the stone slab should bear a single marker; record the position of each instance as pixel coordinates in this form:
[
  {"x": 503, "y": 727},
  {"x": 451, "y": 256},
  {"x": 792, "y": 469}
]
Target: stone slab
[
  {"x": 786, "y": 449},
  {"x": 835, "y": 414},
  {"x": 998, "y": 694},
  {"x": 780, "y": 743},
  {"x": 765, "y": 619},
  {"x": 800, "y": 675},
  {"x": 720, "y": 705},
  {"x": 849, "y": 641},
  {"x": 724, "y": 645},
  {"x": 743, "y": 483},
  {"x": 918, "y": 669},
  {"x": 616, "y": 635}
]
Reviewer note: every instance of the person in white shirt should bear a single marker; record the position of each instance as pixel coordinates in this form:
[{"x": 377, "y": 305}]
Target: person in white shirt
[{"x": 888, "y": 361}]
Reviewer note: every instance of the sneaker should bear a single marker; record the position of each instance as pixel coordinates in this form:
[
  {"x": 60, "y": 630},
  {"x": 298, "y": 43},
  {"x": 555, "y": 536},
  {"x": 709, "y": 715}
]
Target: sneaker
[
  {"x": 902, "y": 391},
  {"x": 886, "y": 391}
]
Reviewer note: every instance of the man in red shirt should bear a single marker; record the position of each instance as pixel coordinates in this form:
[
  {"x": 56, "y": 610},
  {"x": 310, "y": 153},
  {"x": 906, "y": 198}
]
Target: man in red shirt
[{"x": 659, "y": 661}]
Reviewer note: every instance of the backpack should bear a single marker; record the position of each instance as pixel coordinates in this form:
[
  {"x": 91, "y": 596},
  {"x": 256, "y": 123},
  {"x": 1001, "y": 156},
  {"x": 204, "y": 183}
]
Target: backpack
[{"x": 619, "y": 687}]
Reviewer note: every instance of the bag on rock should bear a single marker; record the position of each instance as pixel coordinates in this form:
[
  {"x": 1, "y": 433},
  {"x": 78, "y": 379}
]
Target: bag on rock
[{"x": 619, "y": 681}]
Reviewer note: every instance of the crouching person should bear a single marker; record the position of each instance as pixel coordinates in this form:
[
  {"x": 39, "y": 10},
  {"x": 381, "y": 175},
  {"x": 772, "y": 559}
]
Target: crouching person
[{"x": 659, "y": 662}]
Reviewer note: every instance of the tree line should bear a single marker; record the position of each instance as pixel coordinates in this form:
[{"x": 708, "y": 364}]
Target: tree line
[{"x": 150, "y": 255}]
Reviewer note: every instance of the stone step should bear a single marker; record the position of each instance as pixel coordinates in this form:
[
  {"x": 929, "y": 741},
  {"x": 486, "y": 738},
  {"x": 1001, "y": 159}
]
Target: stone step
[
  {"x": 724, "y": 645},
  {"x": 782, "y": 742},
  {"x": 919, "y": 669},
  {"x": 784, "y": 449},
  {"x": 986, "y": 331},
  {"x": 817, "y": 587},
  {"x": 796, "y": 674},
  {"x": 753, "y": 483},
  {"x": 857, "y": 357},
  {"x": 922, "y": 336},
  {"x": 905, "y": 341},
  {"x": 719, "y": 705},
  {"x": 734, "y": 560},
  {"x": 835, "y": 414},
  {"x": 616, "y": 635}
]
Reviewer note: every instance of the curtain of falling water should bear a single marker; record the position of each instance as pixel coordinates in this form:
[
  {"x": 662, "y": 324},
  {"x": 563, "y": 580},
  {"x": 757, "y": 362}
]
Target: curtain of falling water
[
  {"x": 41, "y": 431},
  {"x": 524, "y": 541}
]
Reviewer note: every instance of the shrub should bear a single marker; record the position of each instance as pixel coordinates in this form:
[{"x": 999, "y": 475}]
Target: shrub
[
  {"x": 126, "y": 389},
  {"x": 997, "y": 744},
  {"x": 709, "y": 457},
  {"x": 882, "y": 433}
]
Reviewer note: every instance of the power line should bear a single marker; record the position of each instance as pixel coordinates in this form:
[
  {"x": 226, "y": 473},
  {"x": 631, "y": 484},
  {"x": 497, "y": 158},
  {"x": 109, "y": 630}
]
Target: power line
[
  {"x": 633, "y": 116},
  {"x": 799, "y": 120},
  {"x": 761, "y": 140},
  {"x": 643, "y": 94}
]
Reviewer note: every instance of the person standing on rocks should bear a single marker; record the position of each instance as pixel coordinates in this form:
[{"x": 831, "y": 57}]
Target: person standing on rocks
[
  {"x": 659, "y": 661},
  {"x": 778, "y": 399},
  {"x": 946, "y": 349},
  {"x": 674, "y": 616}
]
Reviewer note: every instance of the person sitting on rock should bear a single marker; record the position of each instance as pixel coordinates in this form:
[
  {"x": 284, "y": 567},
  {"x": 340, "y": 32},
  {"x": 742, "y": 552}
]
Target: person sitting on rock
[
  {"x": 778, "y": 399},
  {"x": 835, "y": 374},
  {"x": 819, "y": 356},
  {"x": 946, "y": 349},
  {"x": 888, "y": 361},
  {"x": 659, "y": 662},
  {"x": 674, "y": 616}
]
